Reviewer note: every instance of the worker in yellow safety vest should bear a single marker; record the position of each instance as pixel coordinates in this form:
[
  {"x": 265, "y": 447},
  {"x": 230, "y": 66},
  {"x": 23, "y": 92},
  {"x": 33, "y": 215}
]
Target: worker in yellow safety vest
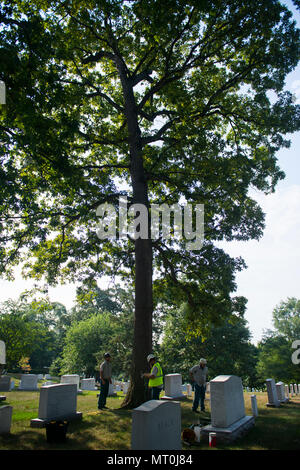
[{"x": 156, "y": 378}]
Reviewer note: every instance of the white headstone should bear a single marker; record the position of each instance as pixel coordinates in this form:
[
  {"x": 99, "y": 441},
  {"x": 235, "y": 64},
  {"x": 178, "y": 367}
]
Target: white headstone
[
  {"x": 57, "y": 402},
  {"x": 189, "y": 390},
  {"x": 173, "y": 391},
  {"x": 71, "y": 379},
  {"x": 228, "y": 419},
  {"x": 254, "y": 405},
  {"x": 125, "y": 387},
  {"x": 156, "y": 425},
  {"x": 227, "y": 400},
  {"x": 287, "y": 394},
  {"x": 281, "y": 392},
  {"x": 5, "y": 418},
  {"x": 88, "y": 384},
  {"x": 291, "y": 390},
  {"x": 296, "y": 389},
  {"x": 272, "y": 393},
  {"x": 29, "y": 382},
  {"x": 2, "y": 353},
  {"x": 5, "y": 383},
  {"x": 111, "y": 391}
]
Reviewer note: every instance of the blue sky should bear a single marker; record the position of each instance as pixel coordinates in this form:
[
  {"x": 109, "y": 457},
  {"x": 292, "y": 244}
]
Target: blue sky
[{"x": 273, "y": 271}]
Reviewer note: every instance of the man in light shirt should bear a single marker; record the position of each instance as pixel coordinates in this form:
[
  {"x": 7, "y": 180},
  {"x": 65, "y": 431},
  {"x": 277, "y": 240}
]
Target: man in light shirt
[
  {"x": 105, "y": 380},
  {"x": 198, "y": 375}
]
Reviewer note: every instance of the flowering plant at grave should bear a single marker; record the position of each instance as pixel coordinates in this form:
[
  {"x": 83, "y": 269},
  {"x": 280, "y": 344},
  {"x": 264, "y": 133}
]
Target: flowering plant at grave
[{"x": 24, "y": 364}]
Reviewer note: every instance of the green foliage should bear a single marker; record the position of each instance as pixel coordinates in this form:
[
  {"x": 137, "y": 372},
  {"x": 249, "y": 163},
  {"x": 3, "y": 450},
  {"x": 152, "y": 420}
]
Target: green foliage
[
  {"x": 275, "y": 349},
  {"x": 83, "y": 340},
  {"x": 275, "y": 362},
  {"x": 227, "y": 349},
  {"x": 199, "y": 75},
  {"x": 25, "y": 336},
  {"x": 101, "y": 321},
  {"x": 286, "y": 319}
]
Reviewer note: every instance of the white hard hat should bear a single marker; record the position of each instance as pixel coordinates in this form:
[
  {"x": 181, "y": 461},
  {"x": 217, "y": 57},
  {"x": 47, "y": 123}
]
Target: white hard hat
[
  {"x": 203, "y": 361},
  {"x": 149, "y": 357}
]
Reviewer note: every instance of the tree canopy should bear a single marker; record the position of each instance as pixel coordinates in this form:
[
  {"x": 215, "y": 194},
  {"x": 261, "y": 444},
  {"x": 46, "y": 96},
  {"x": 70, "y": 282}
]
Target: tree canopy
[{"x": 156, "y": 101}]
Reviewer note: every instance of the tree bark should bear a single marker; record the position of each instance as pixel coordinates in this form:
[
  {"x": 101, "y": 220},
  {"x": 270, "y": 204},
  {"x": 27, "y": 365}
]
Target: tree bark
[{"x": 137, "y": 392}]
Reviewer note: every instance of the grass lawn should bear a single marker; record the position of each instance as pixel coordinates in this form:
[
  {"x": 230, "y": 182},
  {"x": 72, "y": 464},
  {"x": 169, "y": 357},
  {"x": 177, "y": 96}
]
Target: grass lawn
[{"x": 275, "y": 428}]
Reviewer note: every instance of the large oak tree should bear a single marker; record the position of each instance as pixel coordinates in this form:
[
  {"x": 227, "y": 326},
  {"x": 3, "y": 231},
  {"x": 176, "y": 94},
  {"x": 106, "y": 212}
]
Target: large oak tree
[{"x": 154, "y": 100}]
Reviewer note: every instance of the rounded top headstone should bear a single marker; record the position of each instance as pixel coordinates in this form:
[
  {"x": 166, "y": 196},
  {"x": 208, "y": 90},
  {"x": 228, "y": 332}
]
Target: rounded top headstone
[{"x": 2, "y": 352}]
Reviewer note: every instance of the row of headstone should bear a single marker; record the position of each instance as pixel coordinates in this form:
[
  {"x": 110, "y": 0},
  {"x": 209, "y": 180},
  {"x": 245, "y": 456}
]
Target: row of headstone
[
  {"x": 28, "y": 382},
  {"x": 295, "y": 389},
  {"x": 277, "y": 393},
  {"x": 253, "y": 390}
]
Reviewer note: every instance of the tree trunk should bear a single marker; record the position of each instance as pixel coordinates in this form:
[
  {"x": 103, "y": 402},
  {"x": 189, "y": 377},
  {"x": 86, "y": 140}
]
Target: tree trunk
[{"x": 138, "y": 392}]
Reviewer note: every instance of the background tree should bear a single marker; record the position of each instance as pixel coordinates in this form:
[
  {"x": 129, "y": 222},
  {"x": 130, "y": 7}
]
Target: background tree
[
  {"x": 101, "y": 321},
  {"x": 168, "y": 99},
  {"x": 227, "y": 349},
  {"x": 286, "y": 318},
  {"x": 83, "y": 340},
  {"x": 25, "y": 336},
  {"x": 275, "y": 349}
]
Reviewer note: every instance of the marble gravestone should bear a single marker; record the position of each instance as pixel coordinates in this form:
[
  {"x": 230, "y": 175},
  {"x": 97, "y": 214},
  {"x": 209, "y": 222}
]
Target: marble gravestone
[
  {"x": 173, "y": 387},
  {"x": 2, "y": 353},
  {"x": 111, "y": 391},
  {"x": 5, "y": 383},
  {"x": 88, "y": 384},
  {"x": 272, "y": 393},
  {"x": 280, "y": 389},
  {"x": 71, "y": 379},
  {"x": 228, "y": 419},
  {"x": 5, "y": 418},
  {"x": 287, "y": 393},
  {"x": 29, "y": 383},
  {"x": 254, "y": 405},
  {"x": 156, "y": 425},
  {"x": 57, "y": 402}
]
